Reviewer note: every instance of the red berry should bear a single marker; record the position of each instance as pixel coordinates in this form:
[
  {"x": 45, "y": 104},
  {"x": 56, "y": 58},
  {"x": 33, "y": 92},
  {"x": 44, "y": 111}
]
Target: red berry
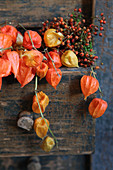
[
  {"x": 89, "y": 33},
  {"x": 68, "y": 41},
  {"x": 104, "y": 22},
  {"x": 102, "y": 14},
  {"x": 91, "y": 50},
  {"x": 76, "y": 37},
  {"x": 87, "y": 44},
  {"x": 100, "y": 34},
  {"x": 71, "y": 19},
  {"x": 73, "y": 40},
  {"x": 87, "y": 30},
  {"x": 79, "y": 10},
  {"x": 61, "y": 19},
  {"x": 95, "y": 57},
  {"x": 81, "y": 54},
  {"x": 95, "y": 33},
  {"x": 89, "y": 36},
  {"x": 76, "y": 52},
  {"x": 87, "y": 55},
  {"x": 83, "y": 21},
  {"x": 101, "y": 21},
  {"x": 85, "y": 59},
  {"x": 101, "y": 28},
  {"x": 71, "y": 15},
  {"x": 55, "y": 18},
  {"x": 75, "y": 9}
]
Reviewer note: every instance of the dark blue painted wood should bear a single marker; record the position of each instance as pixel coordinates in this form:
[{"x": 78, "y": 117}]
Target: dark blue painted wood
[{"x": 103, "y": 157}]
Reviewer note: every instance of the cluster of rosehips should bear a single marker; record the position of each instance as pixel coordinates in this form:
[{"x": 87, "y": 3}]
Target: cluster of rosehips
[{"x": 77, "y": 36}]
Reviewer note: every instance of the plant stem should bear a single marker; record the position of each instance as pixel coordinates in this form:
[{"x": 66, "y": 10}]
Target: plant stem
[
  {"x": 36, "y": 81},
  {"x": 2, "y": 49},
  {"x": 96, "y": 78}
]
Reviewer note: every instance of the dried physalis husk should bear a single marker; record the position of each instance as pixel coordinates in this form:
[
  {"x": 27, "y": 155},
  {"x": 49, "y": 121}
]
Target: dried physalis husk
[
  {"x": 53, "y": 38},
  {"x": 47, "y": 144},
  {"x": 69, "y": 59},
  {"x": 25, "y": 120},
  {"x": 41, "y": 127},
  {"x": 43, "y": 101}
]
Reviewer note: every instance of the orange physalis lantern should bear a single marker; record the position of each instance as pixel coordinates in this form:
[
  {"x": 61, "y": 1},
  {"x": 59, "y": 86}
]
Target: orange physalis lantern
[
  {"x": 25, "y": 74},
  {"x": 36, "y": 39},
  {"x": 13, "y": 57},
  {"x": 0, "y": 82},
  {"x": 41, "y": 70},
  {"x": 89, "y": 85},
  {"x": 47, "y": 144},
  {"x": 10, "y": 30},
  {"x": 5, "y": 42},
  {"x": 5, "y": 67},
  {"x": 53, "y": 77},
  {"x": 55, "y": 57},
  {"x": 40, "y": 127},
  {"x": 32, "y": 58},
  {"x": 97, "y": 107},
  {"x": 43, "y": 101},
  {"x": 53, "y": 38}
]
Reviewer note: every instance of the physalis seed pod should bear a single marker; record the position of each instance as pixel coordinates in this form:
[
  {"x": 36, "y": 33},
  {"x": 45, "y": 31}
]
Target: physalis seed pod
[
  {"x": 55, "y": 57},
  {"x": 97, "y": 107},
  {"x": 32, "y": 58},
  {"x": 0, "y": 83},
  {"x": 47, "y": 144},
  {"x": 89, "y": 85},
  {"x": 52, "y": 38},
  {"x": 5, "y": 67},
  {"x": 53, "y": 77},
  {"x": 5, "y": 42},
  {"x": 40, "y": 127},
  {"x": 36, "y": 39},
  {"x": 69, "y": 59},
  {"x": 25, "y": 120},
  {"x": 10, "y": 30},
  {"x": 41, "y": 70},
  {"x": 43, "y": 101}
]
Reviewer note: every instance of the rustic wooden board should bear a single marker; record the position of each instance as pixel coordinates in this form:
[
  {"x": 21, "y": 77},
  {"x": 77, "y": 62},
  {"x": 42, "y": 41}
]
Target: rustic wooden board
[
  {"x": 67, "y": 113},
  {"x": 33, "y": 12}
]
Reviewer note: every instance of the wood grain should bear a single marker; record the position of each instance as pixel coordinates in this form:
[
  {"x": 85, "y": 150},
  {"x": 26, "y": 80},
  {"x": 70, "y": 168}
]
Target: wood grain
[
  {"x": 67, "y": 113},
  {"x": 32, "y": 13}
]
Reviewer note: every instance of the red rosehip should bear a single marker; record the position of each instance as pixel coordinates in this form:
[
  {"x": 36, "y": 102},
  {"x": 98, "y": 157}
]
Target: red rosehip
[
  {"x": 101, "y": 28},
  {"x": 61, "y": 19},
  {"x": 71, "y": 15},
  {"x": 100, "y": 34},
  {"x": 79, "y": 10},
  {"x": 104, "y": 22},
  {"x": 81, "y": 54},
  {"x": 101, "y": 21},
  {"x": 95, "y": 33}
]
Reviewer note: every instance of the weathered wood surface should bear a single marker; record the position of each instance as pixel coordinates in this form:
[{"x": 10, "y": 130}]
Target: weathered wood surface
[
  {"x": 67, "y": 113},
  {"x": 33, "y": 12}
]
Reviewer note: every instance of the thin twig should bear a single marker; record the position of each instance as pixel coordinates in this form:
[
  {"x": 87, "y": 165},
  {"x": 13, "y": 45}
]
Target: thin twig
[
  {"x": 92, "y": 71},
  {"x": 36, "y": 81}
]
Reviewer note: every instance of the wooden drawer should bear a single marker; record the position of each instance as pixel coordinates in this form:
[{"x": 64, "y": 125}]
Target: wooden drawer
[{"x": 67, "y": 110}]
